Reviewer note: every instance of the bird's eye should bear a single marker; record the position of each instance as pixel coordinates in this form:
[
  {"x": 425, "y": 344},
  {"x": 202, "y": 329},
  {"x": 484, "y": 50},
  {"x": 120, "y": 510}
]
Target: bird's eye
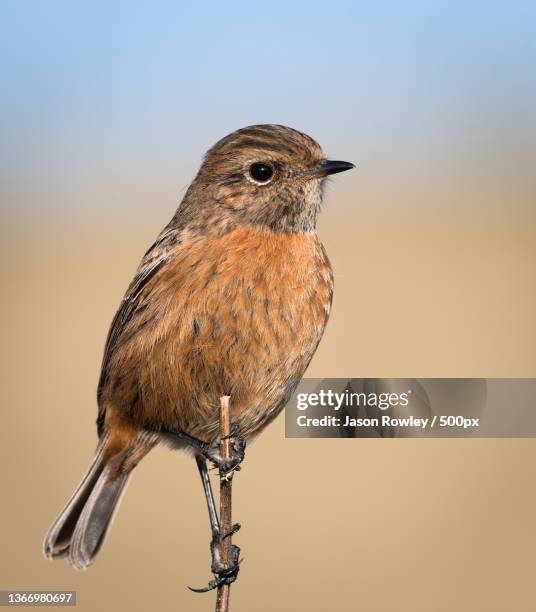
[{"x": 261, "y": 173}]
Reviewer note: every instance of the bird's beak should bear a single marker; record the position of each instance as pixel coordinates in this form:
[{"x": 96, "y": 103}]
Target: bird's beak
[{"x": 328, "y": 166}]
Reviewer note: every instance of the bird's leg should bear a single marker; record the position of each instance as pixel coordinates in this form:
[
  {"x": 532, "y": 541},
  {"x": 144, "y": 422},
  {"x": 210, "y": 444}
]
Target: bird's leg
[
  {"x": 212, "y": 450},
  {"x": 209, "y": 496},
  {"x": 223, "y": 574}
]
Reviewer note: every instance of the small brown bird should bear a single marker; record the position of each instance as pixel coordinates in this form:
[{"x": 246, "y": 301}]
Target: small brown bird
[{"x": 231, "y": 299}]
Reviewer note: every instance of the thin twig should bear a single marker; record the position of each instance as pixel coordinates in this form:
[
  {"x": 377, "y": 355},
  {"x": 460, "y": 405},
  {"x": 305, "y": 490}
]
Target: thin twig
[{"x": 226, "y": 484}]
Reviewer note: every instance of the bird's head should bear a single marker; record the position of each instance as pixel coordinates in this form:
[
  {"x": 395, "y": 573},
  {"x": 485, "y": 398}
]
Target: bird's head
[{"x": 267, "y": 175}]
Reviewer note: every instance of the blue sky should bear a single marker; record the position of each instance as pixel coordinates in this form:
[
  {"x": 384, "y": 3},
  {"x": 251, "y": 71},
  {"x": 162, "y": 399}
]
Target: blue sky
[{"x": 93, "y": 91}]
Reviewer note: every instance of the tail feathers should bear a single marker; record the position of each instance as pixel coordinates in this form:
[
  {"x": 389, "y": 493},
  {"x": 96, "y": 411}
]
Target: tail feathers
[
  {"x": 58, "y": 538},
  {"x": 81, "y": 527},
  {"x": 95, "y": 519}
]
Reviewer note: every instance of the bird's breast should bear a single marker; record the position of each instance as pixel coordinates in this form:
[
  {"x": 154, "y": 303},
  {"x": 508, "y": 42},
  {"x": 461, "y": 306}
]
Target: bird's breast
[{"x": 240, "y": 314}]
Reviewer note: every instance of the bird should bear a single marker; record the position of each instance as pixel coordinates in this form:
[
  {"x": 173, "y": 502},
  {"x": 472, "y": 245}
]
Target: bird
[{"x": 232, "y": 298}]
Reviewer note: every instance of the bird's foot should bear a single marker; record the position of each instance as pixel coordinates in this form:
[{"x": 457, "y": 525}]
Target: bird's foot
[
  {"x": 237, "y": 451},
  {"x": 212, "y": 450},
  {"x": 223, "y": 573}
]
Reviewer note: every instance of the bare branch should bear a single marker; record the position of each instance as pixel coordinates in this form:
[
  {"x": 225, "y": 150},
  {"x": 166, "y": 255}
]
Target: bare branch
[{"x": 226, "y": 484}]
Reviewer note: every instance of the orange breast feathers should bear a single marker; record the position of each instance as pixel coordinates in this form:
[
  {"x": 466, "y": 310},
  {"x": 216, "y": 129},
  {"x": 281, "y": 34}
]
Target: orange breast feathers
[{"x": 240, "y": 314}]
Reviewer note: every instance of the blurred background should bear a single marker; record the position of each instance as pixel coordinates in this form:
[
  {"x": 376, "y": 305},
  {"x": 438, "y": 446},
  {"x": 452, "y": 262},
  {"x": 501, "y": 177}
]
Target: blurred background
[{"x": 105, "y": 112}]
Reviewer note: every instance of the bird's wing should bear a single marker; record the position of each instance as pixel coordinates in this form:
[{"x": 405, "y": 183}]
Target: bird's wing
[{"x": 152, "y": 261}]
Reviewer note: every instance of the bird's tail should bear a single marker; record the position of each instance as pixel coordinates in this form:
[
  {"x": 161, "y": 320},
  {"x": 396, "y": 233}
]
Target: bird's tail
[{"x": 80, "y": 529}]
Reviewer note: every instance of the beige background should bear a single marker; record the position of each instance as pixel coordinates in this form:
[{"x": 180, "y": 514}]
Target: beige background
[{"x": 368, "y": 525}]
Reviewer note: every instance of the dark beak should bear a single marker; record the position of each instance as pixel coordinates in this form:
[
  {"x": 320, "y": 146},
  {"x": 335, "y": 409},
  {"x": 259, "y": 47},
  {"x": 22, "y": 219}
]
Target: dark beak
[{"x": 328, "y": 166}]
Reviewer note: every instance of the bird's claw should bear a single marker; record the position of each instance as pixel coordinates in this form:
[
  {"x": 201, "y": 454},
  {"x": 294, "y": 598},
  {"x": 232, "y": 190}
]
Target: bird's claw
[
  {"x": 223, "y": 574},
  {"x": 228, "y": 465}
]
